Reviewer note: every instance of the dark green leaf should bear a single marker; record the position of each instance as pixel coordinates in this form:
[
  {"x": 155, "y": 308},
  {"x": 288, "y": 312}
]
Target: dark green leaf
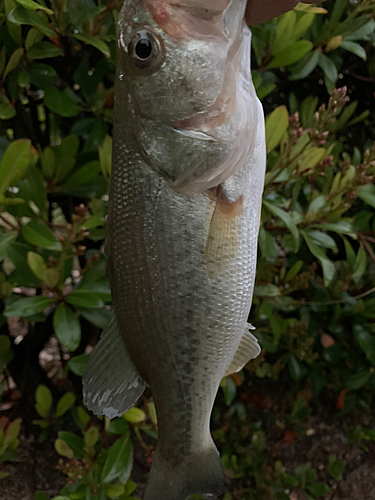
[
  {"x": 119, "y": 460},
  {"x": 366, "y": 342},
  {"x": 355, "y": 48},
  {"x": 27, "y": 306},
  {"x": 84, "y": 298},
  {"x": 326, "y": 263},
  {"x": 64, "y": 403},
  {"x": 78, "y": 364},
  {"x": 74, "y": 442},
  {"x": 30, "y": 4},
  {"x": 15, "y": 161},
  {"x": 67, "y": 327},
  {"x": 358, "y": 380},
  {"x": 296, "y": 369},
  {"x": 95, "y": 42},
  {"x": 61, "y": 103},
  {"x": 40, "y": 235},
  {"x": 44, "y": 50},
  {"x": 20, "y": 15}
]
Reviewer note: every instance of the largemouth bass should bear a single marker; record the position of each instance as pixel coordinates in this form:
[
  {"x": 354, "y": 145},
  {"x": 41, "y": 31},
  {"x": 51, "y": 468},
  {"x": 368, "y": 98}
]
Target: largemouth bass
[{"x": 182, "y": 227}]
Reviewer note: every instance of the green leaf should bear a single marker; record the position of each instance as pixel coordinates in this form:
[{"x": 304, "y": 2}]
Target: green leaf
[
  {"x": 5, "y": 240},
  {"x": 360, "y": 264},
  {"x": 67, "y": 327},
  {"x": 366, "y": 342},
  {"x": 294, "y": 270},
  {"x": 276, "y": 125},
  {"x": 40, "y": 235},
  {"x": 322, "y": 239},
  {"x": 95, "y": 42},
  {"x": 64, "y": 403},
  {"x": 82, "y": 176},
  {"x": 326, "y": 263},
  {"x": 135, "y": 415},
  {"x": 291, "y": 54},
  {"x": 311, "y": 158},
  {"x": 43, "y": 398},
  {"x": 84, "y": 298},
  {"x": 91, "y": 437},
  {"x": 114, "y": 490},
  {"x": 61, "y": 103},
  {"x": 354, "y": 48},
  {"x": 269, "y": 290},
  {"x": 27, "y": 306},
  {"x": 14, "y": 163},
  {"x": 36, "y": 264},
  {"x": 367, "y": 194},
  {"x": 268, "y": 246},
  {"x": 33, "y": 36},
  {"x": 74, "y": 442},
  {"x": 20, "y": 15},
  {"x": 335, "y": 467},
  {"x": 78, "y": 364},
  {"x": 63, "y": 448},
  {"x": 98, "y": 317},
  {"x": 40, "y": 495},
  {"x": 51, "y": 277},
  {"x": 119, "y": 459},
  {"x": 296, "y": 369},
  {"x": 328, "y": 67},
  {"x": 318, "y": 489},
  {"x": 284, "y": 31},
  {"x": 303, "y": 24},
  {"x": 30, "y": 4},
  {"x": 305, "y": 66},
  {"x": 7, "y": 111},
  {"x": 285, "y": 217},
  {"x": 358, "y": 380},
  {"x": 13, "y": 61},
  {"x": 43, "y": 50}
]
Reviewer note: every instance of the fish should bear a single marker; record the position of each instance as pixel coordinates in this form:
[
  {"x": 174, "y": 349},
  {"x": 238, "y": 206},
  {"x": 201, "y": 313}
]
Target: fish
[{"x": 183, "y": 217}]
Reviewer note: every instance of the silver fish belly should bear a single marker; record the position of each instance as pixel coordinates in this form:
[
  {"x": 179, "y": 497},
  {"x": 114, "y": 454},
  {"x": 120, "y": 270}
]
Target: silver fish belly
[{"x": 181, "y": 244}]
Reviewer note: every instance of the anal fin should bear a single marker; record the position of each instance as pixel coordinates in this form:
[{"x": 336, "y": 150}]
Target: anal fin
[
  {"x": 248, "y": 348},
  {"x": 111, "y": 383}
]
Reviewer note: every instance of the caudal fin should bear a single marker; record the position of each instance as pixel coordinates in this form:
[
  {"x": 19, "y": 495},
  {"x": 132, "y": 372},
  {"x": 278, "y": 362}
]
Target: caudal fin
[{"x": 201, "y": 474}]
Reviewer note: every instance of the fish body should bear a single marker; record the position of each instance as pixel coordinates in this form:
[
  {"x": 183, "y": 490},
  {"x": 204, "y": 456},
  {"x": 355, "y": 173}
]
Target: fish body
[{"x": 182, "y": 227}]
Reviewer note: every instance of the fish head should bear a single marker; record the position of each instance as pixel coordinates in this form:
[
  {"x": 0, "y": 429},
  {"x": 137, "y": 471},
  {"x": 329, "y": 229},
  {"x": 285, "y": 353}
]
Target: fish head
[{"x": 179, "y": 65}]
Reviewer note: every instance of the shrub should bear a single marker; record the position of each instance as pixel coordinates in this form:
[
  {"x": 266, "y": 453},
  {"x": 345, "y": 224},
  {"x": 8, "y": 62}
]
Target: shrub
[{"x": 313, "y": 304}]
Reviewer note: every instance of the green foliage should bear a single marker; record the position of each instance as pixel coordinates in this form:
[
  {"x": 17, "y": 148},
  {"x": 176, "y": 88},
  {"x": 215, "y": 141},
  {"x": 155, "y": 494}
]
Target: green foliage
[
  {"x": 9, "y": 441},
  {"x": 313, "y": 301}
]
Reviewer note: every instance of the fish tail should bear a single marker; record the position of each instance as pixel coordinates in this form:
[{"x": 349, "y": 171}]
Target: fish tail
[{"x": 200, "y": 473}]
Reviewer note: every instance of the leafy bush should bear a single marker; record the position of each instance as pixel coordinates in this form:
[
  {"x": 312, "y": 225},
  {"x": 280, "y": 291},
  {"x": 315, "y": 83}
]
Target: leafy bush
[{"x": 313, "y": 304}]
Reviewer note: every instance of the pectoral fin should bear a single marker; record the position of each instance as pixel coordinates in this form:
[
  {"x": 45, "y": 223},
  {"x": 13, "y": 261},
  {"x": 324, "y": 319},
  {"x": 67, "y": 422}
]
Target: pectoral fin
[
  {"x": 111, "y": 383},
  {"x": 247, "y": 349},
  {"x": 223, "y": 235}
]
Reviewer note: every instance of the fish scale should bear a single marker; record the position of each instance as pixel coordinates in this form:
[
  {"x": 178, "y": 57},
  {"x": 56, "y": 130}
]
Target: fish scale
[{"x": 180, "y": 250}]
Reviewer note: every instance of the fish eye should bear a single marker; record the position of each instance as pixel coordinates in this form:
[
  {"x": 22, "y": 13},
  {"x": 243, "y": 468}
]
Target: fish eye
[{"x": 145, "y": 50}]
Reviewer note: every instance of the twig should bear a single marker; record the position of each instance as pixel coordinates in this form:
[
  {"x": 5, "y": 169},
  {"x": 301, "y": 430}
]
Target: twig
[{"x": 341, "y": 301}]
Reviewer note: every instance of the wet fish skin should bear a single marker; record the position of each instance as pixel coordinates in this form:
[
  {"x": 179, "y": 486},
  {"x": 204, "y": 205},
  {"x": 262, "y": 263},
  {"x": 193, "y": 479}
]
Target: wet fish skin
[{"x": 181, "y": 252}]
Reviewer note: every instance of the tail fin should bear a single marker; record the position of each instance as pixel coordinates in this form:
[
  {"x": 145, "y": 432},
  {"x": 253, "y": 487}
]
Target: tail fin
[{"x": 200, "y": 474}]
